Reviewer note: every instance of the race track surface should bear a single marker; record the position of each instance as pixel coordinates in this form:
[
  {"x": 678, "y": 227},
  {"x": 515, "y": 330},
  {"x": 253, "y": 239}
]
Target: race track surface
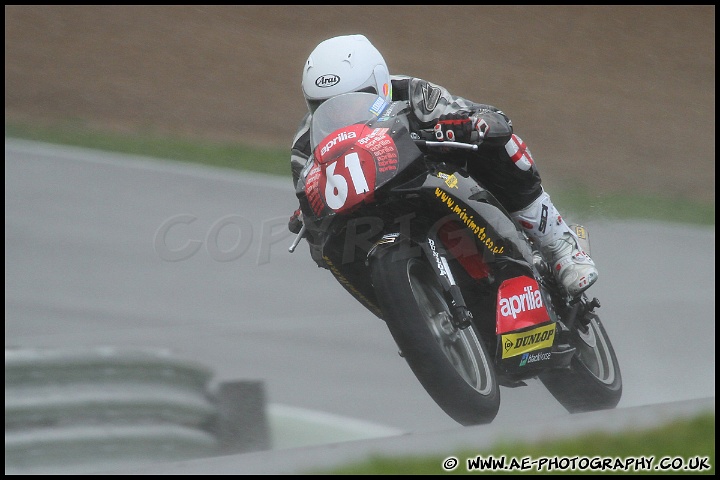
[{"x": 104, "y": 249}]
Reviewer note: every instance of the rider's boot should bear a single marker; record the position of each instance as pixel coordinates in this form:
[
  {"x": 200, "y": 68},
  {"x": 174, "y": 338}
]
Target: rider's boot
[{"x": 572, "y": 266}]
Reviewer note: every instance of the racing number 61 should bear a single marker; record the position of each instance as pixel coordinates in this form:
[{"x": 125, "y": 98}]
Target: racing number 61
[{"x": 336, "y": 188}]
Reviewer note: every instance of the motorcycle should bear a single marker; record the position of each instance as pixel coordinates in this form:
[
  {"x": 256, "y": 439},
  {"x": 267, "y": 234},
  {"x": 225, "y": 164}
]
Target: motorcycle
[{"x": 466, "y": 295}]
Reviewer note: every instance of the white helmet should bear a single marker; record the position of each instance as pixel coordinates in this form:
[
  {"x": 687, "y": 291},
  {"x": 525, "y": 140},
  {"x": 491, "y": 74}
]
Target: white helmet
[{"x": 344, "y": 64}]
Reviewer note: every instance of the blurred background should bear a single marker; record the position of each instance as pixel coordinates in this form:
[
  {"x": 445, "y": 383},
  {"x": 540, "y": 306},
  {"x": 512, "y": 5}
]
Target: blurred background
[{"x": 609, "y": 98}]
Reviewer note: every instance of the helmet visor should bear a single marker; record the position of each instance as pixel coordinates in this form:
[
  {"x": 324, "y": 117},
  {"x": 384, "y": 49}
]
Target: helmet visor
[{"x": 314, "y": 104}]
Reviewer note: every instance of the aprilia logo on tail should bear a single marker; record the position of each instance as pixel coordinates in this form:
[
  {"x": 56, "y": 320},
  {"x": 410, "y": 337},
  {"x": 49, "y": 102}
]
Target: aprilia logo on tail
[
  {"x": 528, "y": 300},
  {"x": 519, "y": 305}
]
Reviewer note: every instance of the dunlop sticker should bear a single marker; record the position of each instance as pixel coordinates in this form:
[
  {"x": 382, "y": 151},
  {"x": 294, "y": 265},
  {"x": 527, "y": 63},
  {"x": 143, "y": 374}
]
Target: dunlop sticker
[{"x": 518, "y": 343}]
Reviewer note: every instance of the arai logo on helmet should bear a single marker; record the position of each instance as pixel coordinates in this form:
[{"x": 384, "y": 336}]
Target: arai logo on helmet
[{"x": 327, "y": 80}]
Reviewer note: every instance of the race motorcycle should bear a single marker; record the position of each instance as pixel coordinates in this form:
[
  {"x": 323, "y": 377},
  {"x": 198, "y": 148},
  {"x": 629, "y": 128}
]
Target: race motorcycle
[{"x": 466, "y": 295}]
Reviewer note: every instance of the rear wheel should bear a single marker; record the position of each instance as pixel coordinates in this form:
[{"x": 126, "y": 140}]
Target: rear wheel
[
  {"x": 593, "y": 380},
  {"x": 451, "y": 364}
]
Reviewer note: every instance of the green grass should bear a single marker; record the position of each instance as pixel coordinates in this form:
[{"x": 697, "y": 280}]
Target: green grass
[
  {"x": 580, "y": 203},
  {"x": 227, "y": 155},
  {"x": 686, "y": 439}
]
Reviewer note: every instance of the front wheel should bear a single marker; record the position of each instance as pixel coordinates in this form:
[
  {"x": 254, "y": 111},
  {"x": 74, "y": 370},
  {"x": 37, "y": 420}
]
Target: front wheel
[
  {"x": 451, "y": 364},
  {"x": 593, "y": 380}
]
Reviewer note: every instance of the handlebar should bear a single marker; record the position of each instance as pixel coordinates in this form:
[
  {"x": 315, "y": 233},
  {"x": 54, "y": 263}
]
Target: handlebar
[
  {"x": 428, "y": 141},
  {"x": 458, "y": 145}
]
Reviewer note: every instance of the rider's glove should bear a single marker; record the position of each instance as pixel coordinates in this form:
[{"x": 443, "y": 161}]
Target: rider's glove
[
  {"x": 459, "y": 127},
  {"x": 295, "y": 223}
]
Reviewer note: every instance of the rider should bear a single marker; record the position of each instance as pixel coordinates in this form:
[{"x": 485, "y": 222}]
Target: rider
[{"x": 351, "y": 63}]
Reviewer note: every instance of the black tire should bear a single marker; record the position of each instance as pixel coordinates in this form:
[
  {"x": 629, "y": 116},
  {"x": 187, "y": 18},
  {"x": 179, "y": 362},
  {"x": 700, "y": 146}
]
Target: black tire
[
  {"x": 452, "y": 365},
  {"x": 593, "y": 380}
]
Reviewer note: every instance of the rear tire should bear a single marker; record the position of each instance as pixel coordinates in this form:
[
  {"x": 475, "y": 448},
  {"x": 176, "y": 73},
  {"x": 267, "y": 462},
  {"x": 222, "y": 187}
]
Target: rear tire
[
  {"x": 452, "y": 365},
  {"x": 593, "y": 380}
]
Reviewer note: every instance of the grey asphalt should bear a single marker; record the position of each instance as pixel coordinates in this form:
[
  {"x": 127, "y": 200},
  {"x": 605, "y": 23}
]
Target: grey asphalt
[{"x": 106, "y": 249}]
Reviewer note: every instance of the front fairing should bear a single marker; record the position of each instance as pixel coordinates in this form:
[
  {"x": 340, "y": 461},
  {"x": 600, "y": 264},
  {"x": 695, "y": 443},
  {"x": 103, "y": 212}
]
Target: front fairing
[{"x": 352, "y": 163}]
